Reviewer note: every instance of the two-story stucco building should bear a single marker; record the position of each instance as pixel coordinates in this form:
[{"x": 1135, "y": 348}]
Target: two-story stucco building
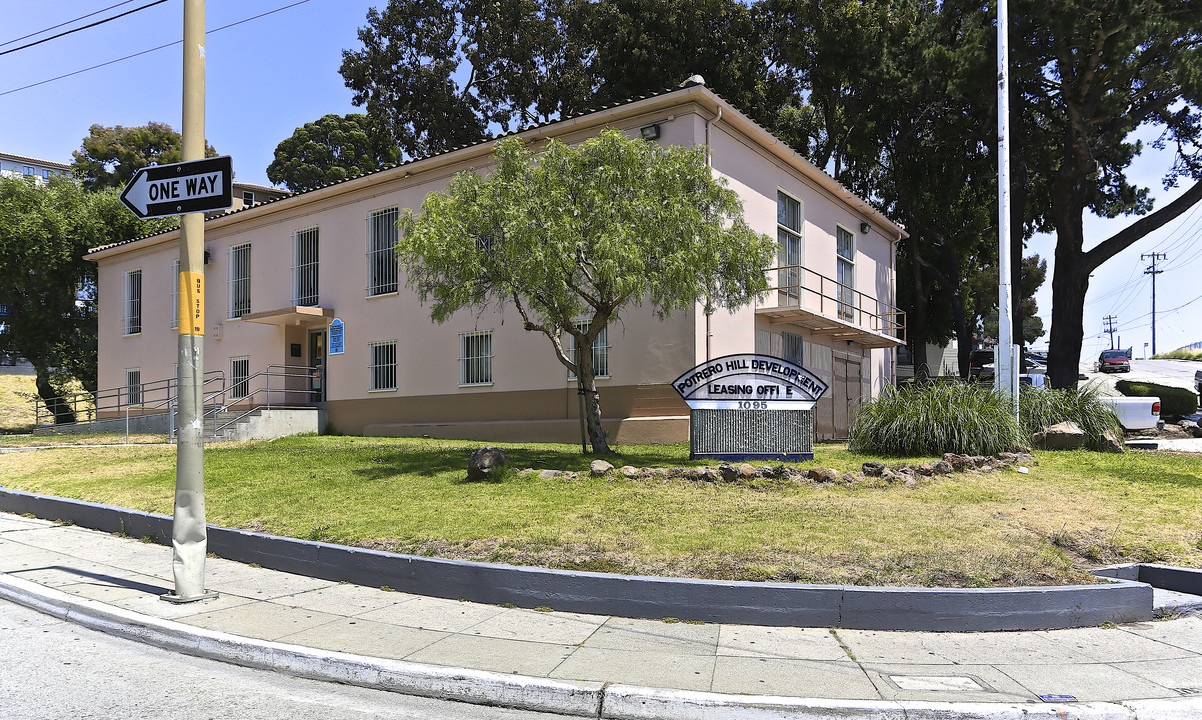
[{"x": 279, "y": 273}]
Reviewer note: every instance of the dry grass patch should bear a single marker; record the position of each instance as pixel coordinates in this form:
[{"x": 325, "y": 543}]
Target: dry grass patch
[
  {"x": 406, "y": 495},
  {"x": 16, "y": 403}
]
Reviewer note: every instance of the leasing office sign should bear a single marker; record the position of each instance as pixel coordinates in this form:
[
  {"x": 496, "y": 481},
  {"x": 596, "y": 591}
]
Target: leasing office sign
[{"x": 749, "y": 382}]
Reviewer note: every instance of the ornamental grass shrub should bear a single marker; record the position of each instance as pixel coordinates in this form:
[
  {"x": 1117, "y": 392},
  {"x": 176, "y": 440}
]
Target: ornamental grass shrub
[
  {"x": 1173, "y": 400},
  {"x": 1039, "y": 408},
  {"x": 923, "y": 418},
  {"x": 971, "y": 419}
]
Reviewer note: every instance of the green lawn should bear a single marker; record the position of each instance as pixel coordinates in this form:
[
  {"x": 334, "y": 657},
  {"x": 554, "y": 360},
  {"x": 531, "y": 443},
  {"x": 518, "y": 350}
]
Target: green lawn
[{"x": 1073, "y": 510}]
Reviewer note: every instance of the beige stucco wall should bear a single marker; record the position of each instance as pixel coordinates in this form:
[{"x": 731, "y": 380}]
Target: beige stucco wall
[{"x": 529, "y": 384}]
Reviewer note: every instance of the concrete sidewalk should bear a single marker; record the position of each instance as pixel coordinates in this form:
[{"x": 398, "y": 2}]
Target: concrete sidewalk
[{"x": 594, "y": 665}]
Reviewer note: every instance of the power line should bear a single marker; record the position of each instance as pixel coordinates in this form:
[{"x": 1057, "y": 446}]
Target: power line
[
  {"x": 55, "y": 27},
  {"x": 160, "y": 47},
  {"x": 85, "y": 27}
]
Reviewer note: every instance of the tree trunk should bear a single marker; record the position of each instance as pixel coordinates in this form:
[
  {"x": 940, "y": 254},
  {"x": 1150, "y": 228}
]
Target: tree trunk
[
  {"x": 586, "y": 385},
  {"x": 52, "y": 398},
  {"x": 1069, "y": 284}
]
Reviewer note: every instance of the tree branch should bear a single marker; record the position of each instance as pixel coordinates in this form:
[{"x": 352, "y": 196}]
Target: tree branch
[{"x": 1123, "y": 239}]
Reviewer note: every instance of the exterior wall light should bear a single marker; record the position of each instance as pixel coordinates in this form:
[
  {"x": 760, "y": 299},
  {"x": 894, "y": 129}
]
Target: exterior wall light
[
  {"x": 651, "y": 132},
  {"x": 864, "y": 228}
]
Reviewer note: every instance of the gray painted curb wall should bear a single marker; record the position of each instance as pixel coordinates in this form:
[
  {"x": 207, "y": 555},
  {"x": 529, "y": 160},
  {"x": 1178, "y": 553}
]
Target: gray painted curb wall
[
  {"x": 603, "y": 701},
  {"x": 773, "y": 604}
]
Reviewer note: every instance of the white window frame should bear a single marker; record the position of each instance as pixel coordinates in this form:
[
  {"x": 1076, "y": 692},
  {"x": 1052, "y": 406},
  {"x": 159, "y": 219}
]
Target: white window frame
[
  {"x": 600, "y": 350},
  {"x": 248, "y": 198},
  {"x": 845, "y": 271},
  {"x": 305, "y": 266},
  {"x": 238, "y": 281},
  {"x": 133, "y": 302},
  {"x": 475, "y": 360},
  {"x": 790, "y": 246},
  {"x": 381, "y": 366},
  {"x": 133, "y": 386},
  {"x": 175, "y": 294},
  {"x": 383, "y": 270},
  {"x": 239, "y": 377}
]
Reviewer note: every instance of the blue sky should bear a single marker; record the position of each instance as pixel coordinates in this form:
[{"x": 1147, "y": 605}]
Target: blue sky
[{"x": 270, "y": 75}]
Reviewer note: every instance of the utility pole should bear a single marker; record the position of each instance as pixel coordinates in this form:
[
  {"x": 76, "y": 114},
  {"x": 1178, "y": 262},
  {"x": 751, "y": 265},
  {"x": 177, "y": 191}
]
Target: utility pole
[
  {"x": 1108, "y": 327},
  {"x": 189, "y": 536},
  {"x": 1153, "y": 272},
  {"x": 1005, "y": 376}
]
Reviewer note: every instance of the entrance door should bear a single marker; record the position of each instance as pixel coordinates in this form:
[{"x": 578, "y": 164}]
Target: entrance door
[
  {"x": 846, "y": 393},
  {"x": 317, "y": 367}
]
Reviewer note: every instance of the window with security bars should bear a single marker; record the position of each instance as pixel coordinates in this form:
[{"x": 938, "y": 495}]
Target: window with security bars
[
  {"x": 475, "y": 358},
  {"x": 600, "y": 351},
  {"x": 788, "y": 251},
  {"x": 381, "y": 373},
  {"x": 381, "y": 252},
  {"x": 239, "y": 280},
  {"x": 133, "y": 386},
  {"x": 133, "y": 302},
  {"x": 239, "y": 377},
  {"x": 845, "y": 246},
  {"x": 174, "y": 294},
  {"x": 304, "y": 267}
]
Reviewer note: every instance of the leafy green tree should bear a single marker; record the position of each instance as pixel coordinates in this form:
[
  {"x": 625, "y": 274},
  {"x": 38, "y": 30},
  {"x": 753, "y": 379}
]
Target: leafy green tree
[
  {"x": 329, "y": 149},
  {"x": 47, "y": 286},
  {"x": 437, "y": 75},
  {"x": 110, "y": 156},
  {"x": 584, "y": 231},
  {"x": 1089, "y": 73}
]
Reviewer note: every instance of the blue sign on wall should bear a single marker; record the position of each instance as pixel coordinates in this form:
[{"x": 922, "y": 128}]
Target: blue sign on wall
[{"x": 337, "y": 338}]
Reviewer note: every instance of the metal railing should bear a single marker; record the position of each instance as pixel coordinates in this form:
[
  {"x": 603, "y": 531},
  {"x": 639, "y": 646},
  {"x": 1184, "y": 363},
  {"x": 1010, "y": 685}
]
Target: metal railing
[
  {"x": 796, "y": 286},
  {"x": 294, "y": 388},
  {"x": 110, "y": 403}
]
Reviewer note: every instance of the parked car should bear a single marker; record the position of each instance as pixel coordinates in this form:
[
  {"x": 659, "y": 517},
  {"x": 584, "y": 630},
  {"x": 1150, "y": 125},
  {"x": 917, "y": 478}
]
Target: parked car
[
  {"x": 978, "y": 360},
  {"x": 1136, "y": 413},
  {"x": 1114, "y": 361}
]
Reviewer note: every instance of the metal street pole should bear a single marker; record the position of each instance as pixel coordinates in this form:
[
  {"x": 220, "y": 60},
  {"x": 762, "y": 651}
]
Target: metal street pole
[
  {"x": 189, "y": 537},
  {"x": 1005, "y": 375}
]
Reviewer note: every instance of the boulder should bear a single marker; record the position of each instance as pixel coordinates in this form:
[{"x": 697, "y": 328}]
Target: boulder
[
  {"x": 548, "y": 474},
  {"x": 942, "y": 467},
  {"x": 486, "y": 461},
  {"x": 747, "y": 472},
  {"x": 873, "y": 469},
  {"x": 729, "y": 472},
  {"x": 629, "y": 471},
  {"x": 1067, "y": 435},
  {"x": 600, "y": 467},
  {"x": 1112, "y": 441}
]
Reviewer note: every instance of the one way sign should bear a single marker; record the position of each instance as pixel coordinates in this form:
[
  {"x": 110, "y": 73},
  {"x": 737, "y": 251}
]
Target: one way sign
[{"x": 180, "y": 188}]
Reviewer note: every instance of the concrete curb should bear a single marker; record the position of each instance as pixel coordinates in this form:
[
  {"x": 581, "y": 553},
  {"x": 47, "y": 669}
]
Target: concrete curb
[
  {"x": 747, "y": 603},
  {"x": 577, "y": 698}
]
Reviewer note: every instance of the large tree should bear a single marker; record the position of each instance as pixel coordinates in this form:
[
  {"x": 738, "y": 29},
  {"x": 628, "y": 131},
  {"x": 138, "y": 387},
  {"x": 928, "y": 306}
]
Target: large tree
[
  {"x": 47, "y": 286},
  {"x": 435, "y": 75},
  {"x": 329, "y": 149},
  {"x": 583, "y": 233},
  {"x": 110, "y": 156},
  {"x": 1089, "y": 73}
]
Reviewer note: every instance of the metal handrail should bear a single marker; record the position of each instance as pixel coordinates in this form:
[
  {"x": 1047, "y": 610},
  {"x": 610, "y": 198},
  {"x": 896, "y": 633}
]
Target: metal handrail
[
  {"x": 109, "y": 398},
  {"x": 273, "y": 371},
  {"x": 796, "y": 286},
  {"x": 171, "y": 401}
]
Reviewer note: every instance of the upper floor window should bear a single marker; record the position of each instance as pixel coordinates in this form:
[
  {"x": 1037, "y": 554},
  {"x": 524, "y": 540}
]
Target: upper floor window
[
  {"x": 29, "y": 170},
  {"x": 248, "y": 198},
  {"x": 475, "y": 358},
  {"x": 381, "y": 253},
  {"x": 788, "y": 240},
  {"x": 845, "y": 247},
  {"x": 304, "y": 267},
  {"x": 133, "y": 302},
  {"x": 239, "y": 280}
]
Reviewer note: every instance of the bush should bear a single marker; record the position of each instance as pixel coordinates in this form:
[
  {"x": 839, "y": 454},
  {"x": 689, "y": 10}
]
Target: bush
[
  {"x": 1039, "y": 408},
  {"x": 1173, "y": 400},
  {"x": 934, "y": 418}
]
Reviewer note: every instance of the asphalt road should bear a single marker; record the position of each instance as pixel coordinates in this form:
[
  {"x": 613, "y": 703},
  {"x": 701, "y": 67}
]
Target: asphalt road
[
  {"x": 1175, "y": 373},
  {"x": 51, "y": 669}
]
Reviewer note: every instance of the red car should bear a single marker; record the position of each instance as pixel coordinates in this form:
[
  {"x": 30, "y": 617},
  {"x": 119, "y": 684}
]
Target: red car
[{"x": 1114, "y": 361}]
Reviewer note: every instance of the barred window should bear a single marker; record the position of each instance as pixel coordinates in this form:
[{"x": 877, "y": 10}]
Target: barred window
[
  {"x": 175, "y": 294},
  {"x": 239, "y": 280},
  {"x": 381, "y": 373},
  {"x": 133, "y": 302},
  {"x": 304, "y": 267},
  {"x": 475, "y": 358},
  {"x": 133, "y": 386},
  {"x": 600, "y": 350},
  {"x": 381, "y": 251},
  {"x": 239, "y": 377}
]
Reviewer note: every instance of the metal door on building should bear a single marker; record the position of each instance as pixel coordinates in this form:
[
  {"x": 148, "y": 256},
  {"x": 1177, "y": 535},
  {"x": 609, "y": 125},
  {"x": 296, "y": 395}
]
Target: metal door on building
[
  {"x": 845, "y": 393},
  {"x": 317, "y": 367}
]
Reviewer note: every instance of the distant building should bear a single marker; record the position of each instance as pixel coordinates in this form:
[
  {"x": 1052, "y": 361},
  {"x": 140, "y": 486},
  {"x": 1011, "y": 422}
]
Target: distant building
[
  {"x": 246, "y": 195},
  {"x": 21, "y": 166}
]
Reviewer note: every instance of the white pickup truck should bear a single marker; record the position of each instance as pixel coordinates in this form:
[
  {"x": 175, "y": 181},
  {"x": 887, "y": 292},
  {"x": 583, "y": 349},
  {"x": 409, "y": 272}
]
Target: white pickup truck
[{"x": 1136, "y": 413}]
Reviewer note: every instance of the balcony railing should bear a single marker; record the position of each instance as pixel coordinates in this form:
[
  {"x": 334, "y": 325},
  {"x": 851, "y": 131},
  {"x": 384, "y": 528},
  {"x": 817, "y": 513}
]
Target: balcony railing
[{"x": 827, "y": 307}]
